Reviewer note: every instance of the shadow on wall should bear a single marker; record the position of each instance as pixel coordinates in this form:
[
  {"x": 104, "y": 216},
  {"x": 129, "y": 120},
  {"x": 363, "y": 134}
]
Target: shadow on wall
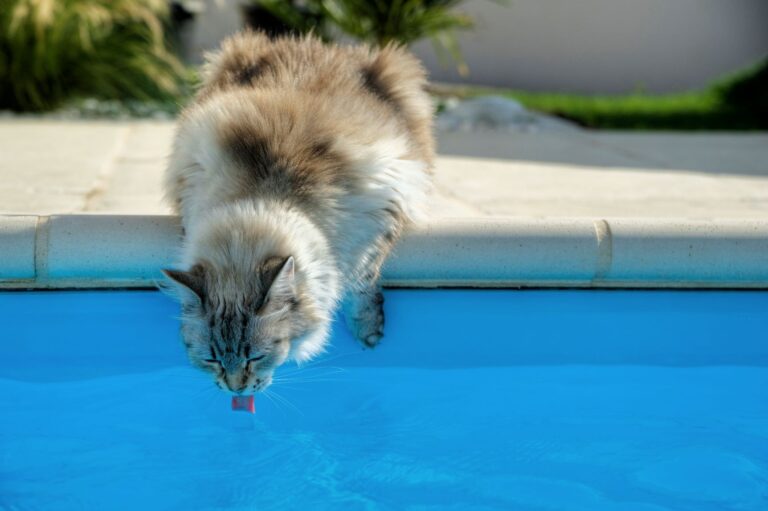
[
  {"x": 606, "y": 46},
  {"x": 717, "y": 154}
]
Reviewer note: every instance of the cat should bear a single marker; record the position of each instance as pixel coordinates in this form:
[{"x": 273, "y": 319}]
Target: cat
[{"x": 295, "y": 170}]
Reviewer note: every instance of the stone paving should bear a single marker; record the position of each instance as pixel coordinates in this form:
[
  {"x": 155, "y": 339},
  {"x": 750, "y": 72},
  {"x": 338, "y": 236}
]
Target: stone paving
[{"x": 50, "y": 166}]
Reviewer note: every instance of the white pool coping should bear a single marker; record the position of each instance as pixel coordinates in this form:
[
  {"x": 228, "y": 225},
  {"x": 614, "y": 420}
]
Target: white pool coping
[{"x": 123, "y": 251}]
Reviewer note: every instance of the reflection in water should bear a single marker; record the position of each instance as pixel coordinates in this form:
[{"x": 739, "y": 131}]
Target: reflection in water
[{"x": 591, "y": 438}]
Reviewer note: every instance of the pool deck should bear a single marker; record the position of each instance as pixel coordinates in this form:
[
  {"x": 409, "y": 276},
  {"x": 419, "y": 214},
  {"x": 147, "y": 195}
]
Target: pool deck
[
  {"x": 81, "y": 206},
  {"x": 53, "y": 167}
]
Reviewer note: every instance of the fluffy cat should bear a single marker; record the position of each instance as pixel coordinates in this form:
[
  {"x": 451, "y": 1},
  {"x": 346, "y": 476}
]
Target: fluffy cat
[{"x": 294, "y": 171}]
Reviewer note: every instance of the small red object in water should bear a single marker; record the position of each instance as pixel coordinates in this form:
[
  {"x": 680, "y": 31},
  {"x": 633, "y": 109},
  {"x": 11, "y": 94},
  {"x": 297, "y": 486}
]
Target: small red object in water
[{"x": 244, "y": 403}]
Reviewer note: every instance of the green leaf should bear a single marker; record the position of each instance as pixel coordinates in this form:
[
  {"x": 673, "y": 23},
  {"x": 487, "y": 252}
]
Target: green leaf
[{"x": 53, "y": 50}]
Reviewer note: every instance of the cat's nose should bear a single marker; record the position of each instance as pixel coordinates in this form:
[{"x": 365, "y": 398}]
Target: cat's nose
[{"x": 237, "y": 388}]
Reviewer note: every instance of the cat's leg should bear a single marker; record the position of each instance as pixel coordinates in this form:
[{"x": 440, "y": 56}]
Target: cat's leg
[
  {"x": 364, "y": 312},
  {"x": 364, "y": 303}
]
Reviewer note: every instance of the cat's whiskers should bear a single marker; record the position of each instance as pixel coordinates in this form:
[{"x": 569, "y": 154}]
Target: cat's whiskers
[
  {"x": 285, "y": 400},
  {"x": 314, "y": 375},
  {"x": 291, "y": 388},
  {"x": 310, "y": 380},
  {"x": 267, "y": 394},
  {"x": 207, "y": 390},
  {"x": 316, "y": 371},
  {"x": 320, "y": 360},
  {"x": 305, "y": 375},
  {"x": 279, "y": 402}
]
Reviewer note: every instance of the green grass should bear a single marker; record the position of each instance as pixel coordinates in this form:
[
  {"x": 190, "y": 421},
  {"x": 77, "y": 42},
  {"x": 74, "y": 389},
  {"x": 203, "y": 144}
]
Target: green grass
[
  {"x": 737, "y": 102},
  {"x": 690, "y": 111}
]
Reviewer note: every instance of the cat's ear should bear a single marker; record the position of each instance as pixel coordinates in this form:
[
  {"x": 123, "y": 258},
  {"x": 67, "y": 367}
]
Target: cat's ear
[
  {"x": 282, "y": 291},
  {"x": 193, "y": 279}
]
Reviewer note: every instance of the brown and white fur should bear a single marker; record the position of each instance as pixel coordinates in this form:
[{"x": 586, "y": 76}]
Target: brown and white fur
[{"x": 294, "y": 171}]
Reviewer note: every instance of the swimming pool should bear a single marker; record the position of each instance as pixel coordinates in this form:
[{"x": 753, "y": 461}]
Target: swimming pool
[{"x": 476, "y": 399}]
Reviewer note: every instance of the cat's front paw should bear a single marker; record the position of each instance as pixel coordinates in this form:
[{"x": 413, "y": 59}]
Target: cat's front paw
[{"x": 365, "y": 317}]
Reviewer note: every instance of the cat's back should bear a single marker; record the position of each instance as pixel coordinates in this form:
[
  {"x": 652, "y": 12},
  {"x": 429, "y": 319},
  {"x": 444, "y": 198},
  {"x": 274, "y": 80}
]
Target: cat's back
[
  {"x": 253, "y": 61},
  {"x": 298, "y": 118},
  {"x": 353, "y": 92},
  {"x": 356, "y": 83}
]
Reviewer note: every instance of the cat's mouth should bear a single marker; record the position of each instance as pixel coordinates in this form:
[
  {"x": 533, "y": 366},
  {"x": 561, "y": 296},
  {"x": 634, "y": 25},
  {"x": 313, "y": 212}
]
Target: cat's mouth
[
  {"x": 256, "y": 386},
  {"x": 248, "y": 391},
  {"x": 241, "y": 393}
]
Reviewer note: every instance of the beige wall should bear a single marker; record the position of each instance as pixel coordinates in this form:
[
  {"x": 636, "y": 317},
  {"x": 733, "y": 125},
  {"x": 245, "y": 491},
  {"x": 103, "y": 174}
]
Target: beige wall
[
  {"x": 607, "y": 45},
  {"x": 219, "y": 19}
]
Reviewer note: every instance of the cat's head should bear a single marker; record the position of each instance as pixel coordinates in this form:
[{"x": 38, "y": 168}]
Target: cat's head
[{"x": 240, "y": 326}]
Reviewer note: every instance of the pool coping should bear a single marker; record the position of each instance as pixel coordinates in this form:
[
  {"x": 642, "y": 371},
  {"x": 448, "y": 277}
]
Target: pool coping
[{"x": 127, "y": 251}]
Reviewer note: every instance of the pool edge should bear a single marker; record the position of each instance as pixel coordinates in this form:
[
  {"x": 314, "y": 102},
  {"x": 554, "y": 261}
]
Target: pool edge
[{"x": 127, "y": 251}]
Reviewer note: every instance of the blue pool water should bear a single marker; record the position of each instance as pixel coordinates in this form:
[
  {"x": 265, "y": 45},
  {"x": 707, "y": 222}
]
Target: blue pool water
[{"x": 477, "y": 400}]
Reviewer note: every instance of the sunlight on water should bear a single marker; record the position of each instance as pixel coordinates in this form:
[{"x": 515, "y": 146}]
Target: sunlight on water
[{"x": 566, "y": 438}]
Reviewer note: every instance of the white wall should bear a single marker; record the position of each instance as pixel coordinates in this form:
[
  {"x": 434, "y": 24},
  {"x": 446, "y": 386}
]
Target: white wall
[
  {"x": 577, "y": 45},
  {"x": 607, "y": 45}
]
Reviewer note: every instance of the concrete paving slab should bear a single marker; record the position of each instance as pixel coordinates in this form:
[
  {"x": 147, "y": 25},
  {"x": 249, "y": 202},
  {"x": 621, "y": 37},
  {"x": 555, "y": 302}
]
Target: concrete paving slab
[
  {"x": 49, "y": 166},
  {"x": 511, "y": 188},
  {"x": 722, "y": 153},
  {"x": 134, "y": 183},
  {"x": 719, "y": 153},
  {"x": 569, "y": 148}
]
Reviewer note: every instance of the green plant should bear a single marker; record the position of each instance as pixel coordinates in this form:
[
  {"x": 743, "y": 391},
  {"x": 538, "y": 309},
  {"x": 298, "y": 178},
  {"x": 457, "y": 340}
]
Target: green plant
[
  {"x": 378, "y": 21},
  {"x": 746, "y": 90},
  {"x": 53, "y": 50}
]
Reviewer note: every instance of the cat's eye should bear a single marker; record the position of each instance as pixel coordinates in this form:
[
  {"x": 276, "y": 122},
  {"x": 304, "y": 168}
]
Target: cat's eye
[
  {"x": 212, "y": 361},
  {"x": 257, "y": 358}
]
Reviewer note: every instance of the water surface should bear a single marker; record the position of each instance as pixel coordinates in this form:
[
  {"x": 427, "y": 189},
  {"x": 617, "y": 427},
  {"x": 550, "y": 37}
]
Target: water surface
[{"x": 102, "y": 412}]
